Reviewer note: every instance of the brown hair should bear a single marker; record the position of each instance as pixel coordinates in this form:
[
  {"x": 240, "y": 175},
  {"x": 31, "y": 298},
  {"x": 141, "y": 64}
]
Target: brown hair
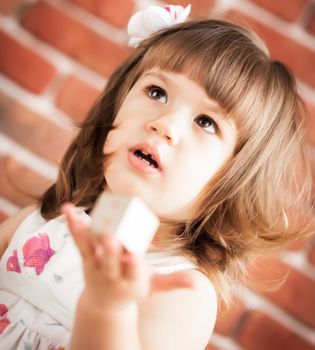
[{"x": 244, "y": 208}]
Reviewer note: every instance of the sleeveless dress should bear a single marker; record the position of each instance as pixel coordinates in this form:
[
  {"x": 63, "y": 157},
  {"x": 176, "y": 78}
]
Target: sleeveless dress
[{"x": 41, "y": 280}]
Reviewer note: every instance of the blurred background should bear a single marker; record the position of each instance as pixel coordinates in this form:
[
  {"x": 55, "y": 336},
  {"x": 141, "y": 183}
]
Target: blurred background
[{"x": 55, "y": 59}]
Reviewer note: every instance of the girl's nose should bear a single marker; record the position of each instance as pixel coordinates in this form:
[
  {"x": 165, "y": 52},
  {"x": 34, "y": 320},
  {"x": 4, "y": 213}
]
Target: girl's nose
[{"x": 167, "y": 127}]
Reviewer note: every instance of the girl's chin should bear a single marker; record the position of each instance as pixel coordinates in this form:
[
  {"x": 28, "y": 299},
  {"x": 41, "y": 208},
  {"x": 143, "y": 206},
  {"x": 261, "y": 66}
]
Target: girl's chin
[
  {"x": 133, "y": 189},
  {"x": 126, "y": 190}
]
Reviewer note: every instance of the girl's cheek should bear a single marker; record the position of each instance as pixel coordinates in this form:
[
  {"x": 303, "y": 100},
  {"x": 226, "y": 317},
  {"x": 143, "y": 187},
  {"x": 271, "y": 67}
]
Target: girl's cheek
[
  {"x": 108, "y": 145},
  {"x": 115, "y": 139}
]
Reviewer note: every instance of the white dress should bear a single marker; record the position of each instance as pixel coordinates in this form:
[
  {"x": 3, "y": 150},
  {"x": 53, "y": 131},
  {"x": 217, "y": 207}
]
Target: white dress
[{"x": 41, "y": 280}]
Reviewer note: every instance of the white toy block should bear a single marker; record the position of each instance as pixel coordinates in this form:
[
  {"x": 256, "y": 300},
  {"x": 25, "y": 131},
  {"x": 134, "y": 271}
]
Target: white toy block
[{"x": 128, "y": 218}]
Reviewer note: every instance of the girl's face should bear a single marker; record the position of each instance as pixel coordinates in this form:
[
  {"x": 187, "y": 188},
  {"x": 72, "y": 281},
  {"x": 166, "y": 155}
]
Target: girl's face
[{"x": 170, "y": 140}]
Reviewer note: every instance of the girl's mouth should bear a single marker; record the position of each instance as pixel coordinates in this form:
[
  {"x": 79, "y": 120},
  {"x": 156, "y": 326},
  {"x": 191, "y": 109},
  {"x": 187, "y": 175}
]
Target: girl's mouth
[
  {"x": 145, "y": 159},
  {"x": 142, "y": 163}
]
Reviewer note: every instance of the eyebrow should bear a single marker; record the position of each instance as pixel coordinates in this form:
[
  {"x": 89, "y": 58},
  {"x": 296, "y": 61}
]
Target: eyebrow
[
  {"x": 216, "y": 108},
  {"x": 157, "y": 75}
]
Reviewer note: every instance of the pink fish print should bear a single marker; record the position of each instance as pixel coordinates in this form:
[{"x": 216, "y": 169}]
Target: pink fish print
[
  {"x": 4, "y": 321},
  {"x": 13, "y": 262},
  {"x": 3, "y": 310},
  {"x": 37, "y": 252}
]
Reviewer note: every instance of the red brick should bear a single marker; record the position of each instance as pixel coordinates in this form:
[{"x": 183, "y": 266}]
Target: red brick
[
  {"x": 261, "y": 332},
  {"x": 3, "y": 216},
  {"x": 283, "y": 48},
  {"x": 73, "y": 38},
  {"x": 18, "y": 189},
  {"x": 228, "y": 320},
  {"x": 76, "y": 97},
  {"x": 311, "y": 24},
  {"x": 199, "y": 8},
  {"x": 211, "y": 347},
  {"x": 9, "y": 6},
  {"x": 288, "y": 10},
  {"x": 311, "y": 123},
  {"x": 299, "y": 244},
  {"x": 33, "y": 131},
  {"x": 295, "y": 295},
  {"x": 23, "y": 65},
  {"x": 115, "y": 12}
]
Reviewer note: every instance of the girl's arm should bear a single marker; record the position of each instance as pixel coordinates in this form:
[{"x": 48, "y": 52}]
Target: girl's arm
[
  {"x": 102, "y": 328},
  {"x": 10, "y": 225},
  {"x": 178, "y": 319},
  {"x": 125, "y": 306}
]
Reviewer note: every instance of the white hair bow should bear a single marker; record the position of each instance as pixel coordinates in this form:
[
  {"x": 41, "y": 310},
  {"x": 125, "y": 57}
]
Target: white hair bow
[{"x": 146, "y": 22}]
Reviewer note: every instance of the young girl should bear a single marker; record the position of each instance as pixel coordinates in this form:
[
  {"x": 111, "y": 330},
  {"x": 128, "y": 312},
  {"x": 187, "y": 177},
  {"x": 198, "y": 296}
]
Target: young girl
[{"x": 228, "y": 176}]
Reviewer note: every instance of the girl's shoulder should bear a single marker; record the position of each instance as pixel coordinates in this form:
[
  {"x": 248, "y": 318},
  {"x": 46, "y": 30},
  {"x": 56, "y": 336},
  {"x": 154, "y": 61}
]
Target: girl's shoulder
[
  {"x": 10, "y": 225},
  {"x": 184, "y": 316}
]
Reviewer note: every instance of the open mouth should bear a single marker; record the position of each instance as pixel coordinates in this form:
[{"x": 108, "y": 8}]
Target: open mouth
[{"x": 147, "y": 157}]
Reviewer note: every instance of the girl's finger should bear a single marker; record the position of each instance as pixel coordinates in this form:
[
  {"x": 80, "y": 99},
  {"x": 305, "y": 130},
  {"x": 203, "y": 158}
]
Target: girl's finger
[
  {"x": 130, "y": 265},
  {"x": 110, "y": 261},
  {"x": 78, "y": 229},
  {"x": 172, "y": 281}
]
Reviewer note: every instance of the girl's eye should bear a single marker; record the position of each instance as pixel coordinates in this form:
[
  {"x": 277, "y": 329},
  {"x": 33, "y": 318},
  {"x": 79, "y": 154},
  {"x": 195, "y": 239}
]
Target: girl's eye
[
  {"x": 156, "y": 93},
  {"x": 207, "y": 124}
]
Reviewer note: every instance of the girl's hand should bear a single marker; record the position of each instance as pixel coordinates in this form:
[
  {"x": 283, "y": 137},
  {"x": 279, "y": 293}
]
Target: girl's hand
[{"x": 115, "y": 277}]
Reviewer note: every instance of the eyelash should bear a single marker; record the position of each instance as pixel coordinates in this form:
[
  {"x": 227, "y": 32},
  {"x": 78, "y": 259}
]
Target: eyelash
[
  {"x": 209, "y": 120},
  {"x": 151, "y": 88},
  {"x": 148, "y": 90}
]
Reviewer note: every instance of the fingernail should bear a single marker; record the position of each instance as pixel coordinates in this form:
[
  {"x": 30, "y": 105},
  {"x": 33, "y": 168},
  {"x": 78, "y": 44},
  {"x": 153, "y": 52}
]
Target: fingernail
[
  {"x": 67, "y": 205},
  {"x": 111, "y": 242},
  {"x": 99, "y": 250}
]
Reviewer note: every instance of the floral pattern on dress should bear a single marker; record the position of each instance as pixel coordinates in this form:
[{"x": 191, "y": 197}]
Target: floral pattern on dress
[
  {"x": 13, "y": 262},
  {"x": 37, "y": 252},
  {"x": 4, "y": 321}
]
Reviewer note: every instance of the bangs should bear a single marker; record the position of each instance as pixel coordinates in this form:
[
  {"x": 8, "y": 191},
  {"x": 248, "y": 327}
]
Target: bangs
[{"x": 226, "y": 62}]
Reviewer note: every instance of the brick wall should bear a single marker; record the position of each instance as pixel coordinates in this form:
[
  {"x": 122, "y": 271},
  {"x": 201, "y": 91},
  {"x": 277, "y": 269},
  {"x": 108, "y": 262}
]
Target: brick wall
[{"x": 55, "y": 57}]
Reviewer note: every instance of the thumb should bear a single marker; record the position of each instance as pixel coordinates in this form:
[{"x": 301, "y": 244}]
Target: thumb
[
  {"x": 175, "y": 280},
  {"x": 75, "y": 224},
  {"x": 77, "y": 227}
]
